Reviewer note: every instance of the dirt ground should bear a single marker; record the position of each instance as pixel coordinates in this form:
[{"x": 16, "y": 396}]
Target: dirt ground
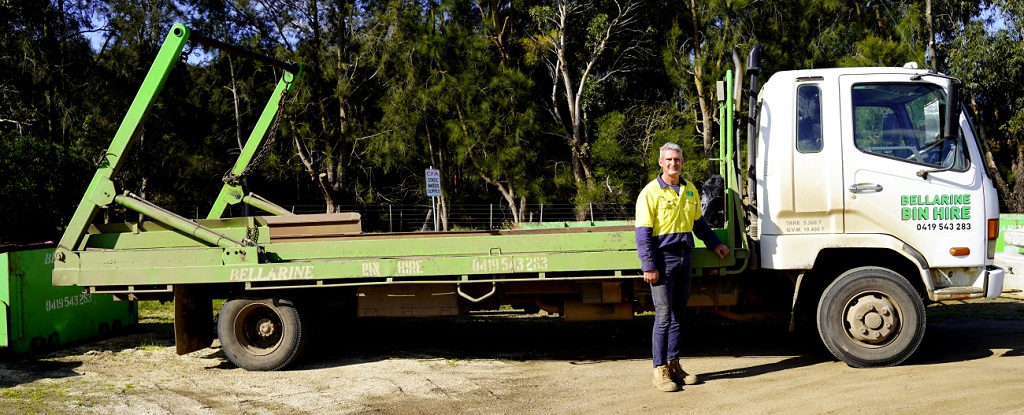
[{"x": 971, "y": 361}]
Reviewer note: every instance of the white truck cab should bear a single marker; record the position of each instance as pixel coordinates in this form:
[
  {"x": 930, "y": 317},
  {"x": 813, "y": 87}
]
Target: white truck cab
[{"x": 862, "y": 184}]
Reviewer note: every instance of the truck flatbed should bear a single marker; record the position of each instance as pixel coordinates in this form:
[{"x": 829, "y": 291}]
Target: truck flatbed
[{"x": 329, "y": 250}]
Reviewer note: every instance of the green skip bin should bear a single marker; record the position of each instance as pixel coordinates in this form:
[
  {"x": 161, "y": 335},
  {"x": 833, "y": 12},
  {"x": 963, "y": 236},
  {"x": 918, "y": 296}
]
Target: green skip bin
[{"x": 35, "y": 315}]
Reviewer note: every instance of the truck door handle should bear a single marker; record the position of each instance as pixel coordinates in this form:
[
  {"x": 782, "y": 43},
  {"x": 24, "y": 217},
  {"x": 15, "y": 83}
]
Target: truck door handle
[{"x": 860, "y": 188}]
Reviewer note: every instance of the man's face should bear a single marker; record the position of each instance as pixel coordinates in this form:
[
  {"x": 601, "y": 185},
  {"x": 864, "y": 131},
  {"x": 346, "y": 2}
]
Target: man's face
[{"x": 671, "y": 162}]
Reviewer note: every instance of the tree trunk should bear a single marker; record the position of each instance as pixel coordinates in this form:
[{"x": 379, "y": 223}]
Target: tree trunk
[
  {"x": 1015, "y": 199},
  {"x": 706, "y": 109},
  {"x": 997, "y": 177},
  {"x": 930, "y": 51},
  {"x": 562, "y": 73},
  {"x": 510, "y": 198}
]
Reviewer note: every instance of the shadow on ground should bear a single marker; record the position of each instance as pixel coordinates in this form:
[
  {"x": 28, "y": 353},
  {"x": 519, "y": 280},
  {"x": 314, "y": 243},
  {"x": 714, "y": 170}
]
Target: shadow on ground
[
  {"x": 956, "y": 331},
  {"x": 61, "y": 362},
  {"x": 536, "y": 337},
  {"x": 969, "y": 330}
]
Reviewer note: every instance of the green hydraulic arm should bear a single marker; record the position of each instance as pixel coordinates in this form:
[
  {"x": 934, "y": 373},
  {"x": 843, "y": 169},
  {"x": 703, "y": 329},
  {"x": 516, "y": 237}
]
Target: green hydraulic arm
[
  {"x": 101, "y": 189},
  {"x": 101, "y": 193},
  {"x": 192, "y": 306},
  {"x": 232, "y": 192}
]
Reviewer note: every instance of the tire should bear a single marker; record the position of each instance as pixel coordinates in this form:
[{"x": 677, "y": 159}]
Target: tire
[
  {"x": 264, "y": 334},
  {"x": 871, "y": 317}
]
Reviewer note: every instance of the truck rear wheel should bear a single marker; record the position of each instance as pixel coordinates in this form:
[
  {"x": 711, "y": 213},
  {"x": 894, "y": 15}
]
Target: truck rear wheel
[
  {"x": 871, "y": 317},
  {"x": 264, "y": 334}
]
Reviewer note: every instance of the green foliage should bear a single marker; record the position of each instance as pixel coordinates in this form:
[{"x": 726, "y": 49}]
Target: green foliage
[
  {"x": 390, "y": 88},
  {"x": 42, "y": 183},
  {"x": 625, "y": 153},
  {"x": 990, "y": 63},
  {"x": 44, "y": 71},
  {"x": 873, "y": 51}
]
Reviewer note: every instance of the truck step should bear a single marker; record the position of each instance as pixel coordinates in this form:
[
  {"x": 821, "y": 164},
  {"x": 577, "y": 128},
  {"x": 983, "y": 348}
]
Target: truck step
[{"x": 959, "y": 293}]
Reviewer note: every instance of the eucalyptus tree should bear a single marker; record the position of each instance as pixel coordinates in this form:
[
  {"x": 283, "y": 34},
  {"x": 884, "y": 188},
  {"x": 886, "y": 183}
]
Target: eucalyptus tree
[
  {"x": 583, "y": 44},
  {"x": 330, "y": 113},
  {"x": 337, "y": 42},
  {"x": 697, "y": 52},
  {"x": 625, "y": 149},
  {"x": 989, "y": 59}
]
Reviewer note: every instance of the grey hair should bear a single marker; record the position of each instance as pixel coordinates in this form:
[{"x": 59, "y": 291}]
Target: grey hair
[{"x": 670, "y": 146}]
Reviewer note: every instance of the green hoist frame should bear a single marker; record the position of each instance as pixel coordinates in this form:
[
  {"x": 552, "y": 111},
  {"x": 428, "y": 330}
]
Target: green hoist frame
[
  {"x": 101, "y": 193},
  {"x": 192, "y": 307}
]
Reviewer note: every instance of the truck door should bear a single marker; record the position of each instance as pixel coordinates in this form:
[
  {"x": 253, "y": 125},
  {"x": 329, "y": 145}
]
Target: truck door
[{"x": 891, "y": 135}]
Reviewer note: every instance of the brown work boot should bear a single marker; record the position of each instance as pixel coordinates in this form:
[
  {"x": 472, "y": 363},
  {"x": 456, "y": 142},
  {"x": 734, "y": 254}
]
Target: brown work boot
[
  {"x": 663, "y": 381},
  {"x": 679, "y": 375}
]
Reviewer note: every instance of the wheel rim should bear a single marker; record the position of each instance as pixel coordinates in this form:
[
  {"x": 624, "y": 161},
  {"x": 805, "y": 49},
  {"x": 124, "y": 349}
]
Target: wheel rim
[
  {"x": 258, "y": 329},
  {"x": 872, "y": 319}
]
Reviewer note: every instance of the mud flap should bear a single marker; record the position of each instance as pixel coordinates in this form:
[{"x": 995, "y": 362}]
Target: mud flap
[{"x": 193, "y": 325}]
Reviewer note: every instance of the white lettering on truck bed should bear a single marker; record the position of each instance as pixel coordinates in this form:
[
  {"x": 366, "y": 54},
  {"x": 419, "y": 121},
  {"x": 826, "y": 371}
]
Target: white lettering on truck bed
[{"x": 275, "y": 273}]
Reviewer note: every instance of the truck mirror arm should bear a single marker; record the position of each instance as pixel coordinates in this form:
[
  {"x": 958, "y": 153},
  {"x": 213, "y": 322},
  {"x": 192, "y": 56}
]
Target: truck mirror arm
[{"x": 924, "y": 173}]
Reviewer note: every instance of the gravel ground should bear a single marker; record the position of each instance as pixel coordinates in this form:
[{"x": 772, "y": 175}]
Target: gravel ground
[{"x": 971, "y": 361}]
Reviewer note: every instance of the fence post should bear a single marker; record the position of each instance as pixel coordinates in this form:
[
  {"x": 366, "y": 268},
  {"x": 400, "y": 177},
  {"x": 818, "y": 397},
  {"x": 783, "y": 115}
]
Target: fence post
[
  {"x": 591, "y": 213},
  {"x": 490, "y": 221},
  {"x": 391, "y": 220},
  {"x": 542, "y": 213}
]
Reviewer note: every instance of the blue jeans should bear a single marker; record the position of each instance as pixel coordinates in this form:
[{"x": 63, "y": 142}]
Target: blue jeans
[{"x": 670, "y": 295}]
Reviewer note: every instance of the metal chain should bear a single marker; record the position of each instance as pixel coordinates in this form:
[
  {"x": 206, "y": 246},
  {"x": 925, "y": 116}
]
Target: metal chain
[
  {"x": 264, "y": 150},
  {"x": 252, "y": 236}
]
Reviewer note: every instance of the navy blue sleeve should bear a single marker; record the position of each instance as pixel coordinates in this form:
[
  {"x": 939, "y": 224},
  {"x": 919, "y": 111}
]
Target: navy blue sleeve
[
  {"x": 644, "y": 247},
  {"x": 704, "y": 232}
]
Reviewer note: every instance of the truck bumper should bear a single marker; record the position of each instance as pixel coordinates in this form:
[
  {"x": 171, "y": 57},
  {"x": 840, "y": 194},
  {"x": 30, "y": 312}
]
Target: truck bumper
[
  {"x": 992, "y": 281},
  {"x": 965, "y": 283}
]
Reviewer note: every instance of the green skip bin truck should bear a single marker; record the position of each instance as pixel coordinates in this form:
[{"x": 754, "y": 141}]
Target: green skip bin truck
[{"x": 863, "y": 197}]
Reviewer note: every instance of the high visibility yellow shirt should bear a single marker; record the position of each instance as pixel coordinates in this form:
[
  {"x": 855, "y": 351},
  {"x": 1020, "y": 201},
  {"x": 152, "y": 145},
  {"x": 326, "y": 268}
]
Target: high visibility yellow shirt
[{"x": 667, "y": 220}]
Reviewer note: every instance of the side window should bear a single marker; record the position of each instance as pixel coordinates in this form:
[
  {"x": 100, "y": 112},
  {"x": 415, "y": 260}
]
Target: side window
[
  {"x": 903, "y": 122},
  {"x": 808, "y": 125}
]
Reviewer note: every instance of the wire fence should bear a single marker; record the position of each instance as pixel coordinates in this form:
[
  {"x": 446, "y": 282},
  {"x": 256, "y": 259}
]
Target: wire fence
[{"x": 419, "y": 217}]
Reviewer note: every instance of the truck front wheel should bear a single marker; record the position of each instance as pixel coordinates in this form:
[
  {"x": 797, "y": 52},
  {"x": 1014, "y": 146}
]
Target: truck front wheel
[
  {"x": 263, "y": 334},
  {"x": 871, "y": 317}
]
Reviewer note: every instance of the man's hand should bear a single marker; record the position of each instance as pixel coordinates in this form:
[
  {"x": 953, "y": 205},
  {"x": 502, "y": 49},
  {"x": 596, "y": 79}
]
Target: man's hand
[
  {"x": 651, "y": 276},
  {"x": 722, "y": 250}
]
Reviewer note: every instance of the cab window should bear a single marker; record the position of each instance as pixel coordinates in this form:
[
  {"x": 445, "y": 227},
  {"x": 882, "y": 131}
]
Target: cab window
[
  {"x": 904, "y": 122},
  {"x": 808, "y": 124}
]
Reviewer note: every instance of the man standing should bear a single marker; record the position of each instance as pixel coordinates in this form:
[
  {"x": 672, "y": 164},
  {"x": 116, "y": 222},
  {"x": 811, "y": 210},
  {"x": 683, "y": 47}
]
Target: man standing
[{"x": 667, "y": 216}]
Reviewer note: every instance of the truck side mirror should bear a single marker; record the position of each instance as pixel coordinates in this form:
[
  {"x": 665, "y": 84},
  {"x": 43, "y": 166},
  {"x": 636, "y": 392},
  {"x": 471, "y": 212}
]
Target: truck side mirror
[{"x": 951, "y": 128}]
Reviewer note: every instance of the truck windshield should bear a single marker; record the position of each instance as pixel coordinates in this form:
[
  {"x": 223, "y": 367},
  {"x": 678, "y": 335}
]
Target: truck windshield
[{"x": 904, "y": 122}]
